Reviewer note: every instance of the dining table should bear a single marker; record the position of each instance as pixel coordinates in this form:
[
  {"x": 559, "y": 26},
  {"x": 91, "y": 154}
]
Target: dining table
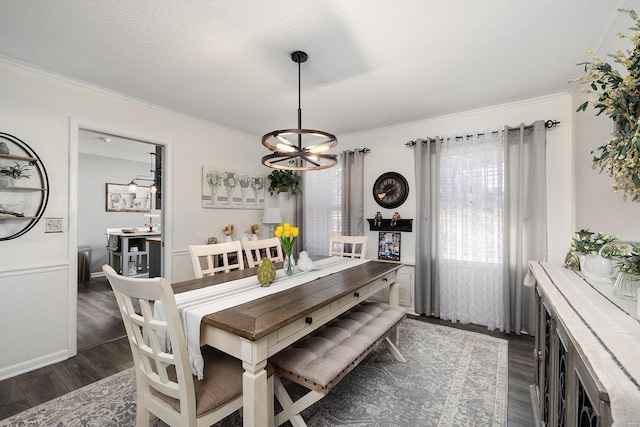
[{"x": 273, "y": 319}]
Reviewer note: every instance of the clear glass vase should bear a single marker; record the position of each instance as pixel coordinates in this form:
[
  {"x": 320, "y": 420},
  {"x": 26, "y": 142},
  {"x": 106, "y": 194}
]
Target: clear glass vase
[
  {"x": 626, "y": 287},
  {"x": 289, "y": 264}
]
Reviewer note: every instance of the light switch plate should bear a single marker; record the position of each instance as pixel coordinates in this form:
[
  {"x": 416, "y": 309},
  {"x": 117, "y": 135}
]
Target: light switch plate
[{"x": 53, "y": 225}]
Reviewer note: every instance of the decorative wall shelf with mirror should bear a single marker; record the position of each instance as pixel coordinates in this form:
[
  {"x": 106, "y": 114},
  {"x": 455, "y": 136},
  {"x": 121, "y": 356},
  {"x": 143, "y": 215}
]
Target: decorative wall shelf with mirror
[{"x": 24, "y": 187}]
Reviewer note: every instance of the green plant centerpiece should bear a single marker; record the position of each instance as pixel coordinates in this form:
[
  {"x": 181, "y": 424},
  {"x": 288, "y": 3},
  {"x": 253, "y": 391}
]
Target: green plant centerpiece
[
  {"x": 282, "y": 181},
  {"x": 617, "y": 88},
  {"x": 586, "y": 243}
]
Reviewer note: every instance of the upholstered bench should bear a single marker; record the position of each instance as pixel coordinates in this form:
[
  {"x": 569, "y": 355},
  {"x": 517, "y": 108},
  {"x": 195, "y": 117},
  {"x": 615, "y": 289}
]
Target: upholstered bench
[{"x": 320, "y": 360}]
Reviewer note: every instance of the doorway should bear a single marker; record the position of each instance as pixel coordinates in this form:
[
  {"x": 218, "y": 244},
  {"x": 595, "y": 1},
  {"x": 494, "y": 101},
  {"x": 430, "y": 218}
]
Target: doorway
[{"x": 99, "y": 155}]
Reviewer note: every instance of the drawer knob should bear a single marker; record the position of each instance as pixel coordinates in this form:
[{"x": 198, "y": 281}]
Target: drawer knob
[
  {"x": 356, "y": 294},
  {"x": 308, "y": 320},
  {"x": 384, "y": 279}
]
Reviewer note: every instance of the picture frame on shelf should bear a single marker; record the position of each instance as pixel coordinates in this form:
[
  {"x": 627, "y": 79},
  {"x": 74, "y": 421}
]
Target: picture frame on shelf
[
  {"x": 389, "y": 246},
  {"x": 119, "y": 198}
]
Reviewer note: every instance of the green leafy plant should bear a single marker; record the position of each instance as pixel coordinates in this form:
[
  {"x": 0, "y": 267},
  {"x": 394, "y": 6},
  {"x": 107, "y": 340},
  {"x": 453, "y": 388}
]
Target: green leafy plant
[
  {"x": 18, "y": 171},
  {"x": 282, "y": 181},
  {"x": 587, "y": 242},
  {"x": 626, "y": 255},
  {"x": 618, "y": 96}
]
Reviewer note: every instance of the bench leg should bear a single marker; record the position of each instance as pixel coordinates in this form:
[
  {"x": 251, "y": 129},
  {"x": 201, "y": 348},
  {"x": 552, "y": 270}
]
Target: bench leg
[
  {"x": 394, "y": 350},
  {"x": 290, "y": 409}
]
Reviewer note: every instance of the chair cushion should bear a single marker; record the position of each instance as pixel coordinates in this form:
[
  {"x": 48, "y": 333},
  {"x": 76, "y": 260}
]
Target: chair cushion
[{"x": 222, "y": 382}]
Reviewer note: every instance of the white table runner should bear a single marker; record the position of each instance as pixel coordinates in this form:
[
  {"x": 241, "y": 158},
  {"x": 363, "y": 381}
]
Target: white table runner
[
  {"x": 604, "y": 328},
  {"x": 194, "y": 305}
]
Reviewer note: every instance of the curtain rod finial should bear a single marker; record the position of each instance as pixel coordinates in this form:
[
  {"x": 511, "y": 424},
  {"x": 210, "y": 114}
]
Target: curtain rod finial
[{"x": 551, "y": 124}]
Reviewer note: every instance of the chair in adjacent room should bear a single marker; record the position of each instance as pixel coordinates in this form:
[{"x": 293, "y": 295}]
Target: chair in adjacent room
[
  {"x": 348, "y": 246},
  {"x": 217, "y": 258},
  {"x": 165, "y": 384},
  {"x": 255, "y": 250}
]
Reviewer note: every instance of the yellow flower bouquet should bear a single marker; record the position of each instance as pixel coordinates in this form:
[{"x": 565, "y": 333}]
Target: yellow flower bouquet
[{"x": 287, "y": 235}]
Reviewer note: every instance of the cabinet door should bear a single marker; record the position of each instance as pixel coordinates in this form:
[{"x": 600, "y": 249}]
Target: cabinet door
[
  {"x": 405, "y": 285},
  {"x": 561, "y": 378},
  {"x": 585, "y": 396}
]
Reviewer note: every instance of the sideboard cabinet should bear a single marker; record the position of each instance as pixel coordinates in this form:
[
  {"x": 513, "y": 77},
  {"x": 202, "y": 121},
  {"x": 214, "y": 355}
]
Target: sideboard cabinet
[{"x": 586, "y": 344}]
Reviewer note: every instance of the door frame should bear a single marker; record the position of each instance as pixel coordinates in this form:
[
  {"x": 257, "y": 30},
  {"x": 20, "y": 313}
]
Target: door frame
[{"x": 75, "y": 125}]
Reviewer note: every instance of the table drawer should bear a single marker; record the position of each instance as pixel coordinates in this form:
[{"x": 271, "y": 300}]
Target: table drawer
[
  {"x": 382, "y": 283},
  {"x": 303, "y": 325},
  {"x": 356, "y": 296}
]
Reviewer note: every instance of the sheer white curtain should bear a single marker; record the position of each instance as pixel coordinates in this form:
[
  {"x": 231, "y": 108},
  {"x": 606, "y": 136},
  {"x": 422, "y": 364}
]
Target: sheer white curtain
[
  {"x": 481, "y": 216},
  {"x": 470, "y": 229},
  {"x": 322, "y": 209},
  {"x": 333, "y": 202}
]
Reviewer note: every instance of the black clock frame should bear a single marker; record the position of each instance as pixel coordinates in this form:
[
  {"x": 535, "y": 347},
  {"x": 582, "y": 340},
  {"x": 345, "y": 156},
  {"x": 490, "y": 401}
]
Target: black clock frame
[{"x": 404, "y": 187}]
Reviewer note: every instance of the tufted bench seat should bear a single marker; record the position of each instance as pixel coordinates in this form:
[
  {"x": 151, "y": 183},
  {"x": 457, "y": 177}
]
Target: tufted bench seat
[{"x": 320, "y": 360}]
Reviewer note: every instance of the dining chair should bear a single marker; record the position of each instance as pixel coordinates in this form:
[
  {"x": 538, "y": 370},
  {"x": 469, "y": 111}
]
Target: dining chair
[
  {"x": 221, "y": 257},
  {"x": 348, "y": 246},
  {"x": 255, "y": 250},
  {"x": 165, "y": 385}
]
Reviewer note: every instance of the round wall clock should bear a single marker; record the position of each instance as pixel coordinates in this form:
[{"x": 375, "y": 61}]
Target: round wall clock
[{"x": 390, "y": 190}]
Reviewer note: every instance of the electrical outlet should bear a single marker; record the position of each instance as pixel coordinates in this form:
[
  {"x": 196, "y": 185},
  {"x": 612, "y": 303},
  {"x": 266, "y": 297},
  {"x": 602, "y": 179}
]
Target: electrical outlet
[{"x": 53, "y": 225}]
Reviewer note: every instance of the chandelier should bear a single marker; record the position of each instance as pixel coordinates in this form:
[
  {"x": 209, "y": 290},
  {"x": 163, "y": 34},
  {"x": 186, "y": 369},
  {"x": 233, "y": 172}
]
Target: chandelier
[
  {"x": 133, "y": 185},
  {"x": 289, "y": 151}
]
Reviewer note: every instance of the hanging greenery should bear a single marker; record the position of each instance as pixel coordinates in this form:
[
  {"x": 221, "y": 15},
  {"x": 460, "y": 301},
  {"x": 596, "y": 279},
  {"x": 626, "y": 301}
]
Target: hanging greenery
[{"x": 618, "y": 90}]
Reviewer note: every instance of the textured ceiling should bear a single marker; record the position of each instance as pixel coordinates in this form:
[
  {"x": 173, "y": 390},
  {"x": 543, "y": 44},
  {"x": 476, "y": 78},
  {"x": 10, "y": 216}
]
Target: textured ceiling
[{"x": 372, "y": 63}]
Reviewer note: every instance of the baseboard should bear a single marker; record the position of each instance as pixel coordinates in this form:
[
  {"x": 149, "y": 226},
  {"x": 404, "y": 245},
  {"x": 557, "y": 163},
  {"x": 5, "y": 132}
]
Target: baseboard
[{"x": 33, "y": 364}]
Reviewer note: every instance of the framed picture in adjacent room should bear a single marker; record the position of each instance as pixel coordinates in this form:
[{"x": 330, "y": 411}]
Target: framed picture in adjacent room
[
  {"x": 389, "y": 246},
  {"x": 121, "y": 199}
]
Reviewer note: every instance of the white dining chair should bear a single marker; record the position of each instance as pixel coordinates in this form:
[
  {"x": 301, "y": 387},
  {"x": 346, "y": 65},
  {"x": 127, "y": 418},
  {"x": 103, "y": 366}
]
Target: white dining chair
[
  {"x": 255, "y": 250},
  {"x": 165, "y": 385},
  {"x": 348, "y": 246},
  {"x": 218, "y": 258}
]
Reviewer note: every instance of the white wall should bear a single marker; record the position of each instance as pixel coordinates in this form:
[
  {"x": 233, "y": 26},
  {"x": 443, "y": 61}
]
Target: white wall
[
  {"x": 597, "y": 207},
  {"x": 388, "y": 152},
  {"x": 34, "y": 284}
]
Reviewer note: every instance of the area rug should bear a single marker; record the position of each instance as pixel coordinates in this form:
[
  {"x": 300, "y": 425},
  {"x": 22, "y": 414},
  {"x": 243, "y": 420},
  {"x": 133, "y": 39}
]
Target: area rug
[{"x": 451, "y": 378}]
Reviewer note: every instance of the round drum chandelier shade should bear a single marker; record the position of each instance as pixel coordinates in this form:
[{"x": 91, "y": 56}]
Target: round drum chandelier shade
[{"x": 299, "y": 149}]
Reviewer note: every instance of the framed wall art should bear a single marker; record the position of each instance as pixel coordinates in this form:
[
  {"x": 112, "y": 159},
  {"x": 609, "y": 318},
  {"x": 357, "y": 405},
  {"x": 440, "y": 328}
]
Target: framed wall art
[
  {"x": 120, "y": 199},
  {"x": 223, "y": 189},
  {"x": 389, "y": 246}
]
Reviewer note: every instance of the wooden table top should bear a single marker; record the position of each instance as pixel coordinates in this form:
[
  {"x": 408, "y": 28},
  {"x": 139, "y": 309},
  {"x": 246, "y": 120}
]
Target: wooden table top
[{"x": 256, "y": 319}]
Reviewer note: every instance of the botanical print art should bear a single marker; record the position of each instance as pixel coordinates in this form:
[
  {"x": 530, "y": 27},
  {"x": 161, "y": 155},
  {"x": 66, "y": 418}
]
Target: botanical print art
[{"x": 231, "y": 190}]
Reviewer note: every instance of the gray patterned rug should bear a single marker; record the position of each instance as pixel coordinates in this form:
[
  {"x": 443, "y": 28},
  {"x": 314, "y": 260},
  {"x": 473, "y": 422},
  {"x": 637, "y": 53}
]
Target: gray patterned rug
[{"x": 451, "y": 378}]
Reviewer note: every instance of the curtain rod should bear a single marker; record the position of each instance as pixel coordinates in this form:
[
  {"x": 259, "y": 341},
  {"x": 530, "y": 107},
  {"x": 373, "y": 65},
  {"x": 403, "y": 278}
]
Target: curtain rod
[
  {"x": 548, "y": 124},
  {"x": 361, "y": 150}
]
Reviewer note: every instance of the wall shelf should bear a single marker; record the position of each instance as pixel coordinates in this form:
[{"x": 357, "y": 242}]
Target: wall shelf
[
  {"x": 23, "y": 200},
  {"x": 385, "y": 225}
]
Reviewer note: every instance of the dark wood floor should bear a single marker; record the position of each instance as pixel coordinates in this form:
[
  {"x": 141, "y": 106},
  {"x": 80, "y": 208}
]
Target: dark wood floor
[{"x": 103, "y": 351}]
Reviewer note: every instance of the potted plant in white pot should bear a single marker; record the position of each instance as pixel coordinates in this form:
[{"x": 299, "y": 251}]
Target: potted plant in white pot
[{"x": 11, "y": 174}]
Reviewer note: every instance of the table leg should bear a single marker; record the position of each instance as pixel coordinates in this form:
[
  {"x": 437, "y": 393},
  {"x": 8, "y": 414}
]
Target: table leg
[
  {"x": 394, "y": 301},
  {"x": 256, "y": 396},
  {"x": 124, "y": 248}
]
